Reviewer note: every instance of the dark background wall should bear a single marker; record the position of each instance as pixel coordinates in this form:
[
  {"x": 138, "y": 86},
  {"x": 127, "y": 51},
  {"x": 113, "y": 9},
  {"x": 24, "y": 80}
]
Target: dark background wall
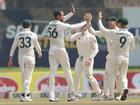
[{"x": 41, "y": 12}]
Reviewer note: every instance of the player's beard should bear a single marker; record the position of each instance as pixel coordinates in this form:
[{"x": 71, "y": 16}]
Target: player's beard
[{"x": 62, "y": 20}]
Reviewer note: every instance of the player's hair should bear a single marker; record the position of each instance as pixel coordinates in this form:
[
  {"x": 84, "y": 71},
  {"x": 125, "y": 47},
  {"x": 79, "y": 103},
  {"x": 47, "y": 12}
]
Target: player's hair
[
  {"x": 57, "y": 12},
  {"x": 26, "y": 23}
]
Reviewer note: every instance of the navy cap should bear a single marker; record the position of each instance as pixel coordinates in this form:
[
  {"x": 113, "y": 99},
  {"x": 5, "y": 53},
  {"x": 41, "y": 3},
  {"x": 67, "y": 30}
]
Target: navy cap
[
  {"x": 123, "y": 21},
  {"x": 111, "y": 18}
]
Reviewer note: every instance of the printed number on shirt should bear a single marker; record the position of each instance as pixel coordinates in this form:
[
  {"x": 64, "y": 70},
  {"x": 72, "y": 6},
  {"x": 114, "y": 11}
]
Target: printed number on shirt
[
  {"x": 25, "y": 42},
  {"x": 53, "y": 33},
  {"x": 122, "y": 41}
]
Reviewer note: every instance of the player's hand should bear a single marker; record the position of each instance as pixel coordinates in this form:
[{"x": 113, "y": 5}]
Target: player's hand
[
  {"x": 84, "y": 28},
  {"x": 100, "y": 16},
  {"x": 10, "y": 63},
  {"x": 88, "y": 17},
  {"x": 73, "y": 9},
  {"x": 40, "y": 55},
  {"x": 88, "y": 62}
]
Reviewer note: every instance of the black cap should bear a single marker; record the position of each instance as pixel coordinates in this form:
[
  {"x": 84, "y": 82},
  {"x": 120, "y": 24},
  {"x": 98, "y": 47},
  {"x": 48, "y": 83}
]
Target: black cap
[
  {"x": 111, "y": 18},
  {"x": 123, "y": 21},
  {"x": 26, "y": 23}
]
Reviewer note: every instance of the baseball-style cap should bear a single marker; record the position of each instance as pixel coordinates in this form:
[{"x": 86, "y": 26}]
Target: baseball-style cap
[
  {"x": 111, "y": 18},
  {"x": 123, "y": 21}
]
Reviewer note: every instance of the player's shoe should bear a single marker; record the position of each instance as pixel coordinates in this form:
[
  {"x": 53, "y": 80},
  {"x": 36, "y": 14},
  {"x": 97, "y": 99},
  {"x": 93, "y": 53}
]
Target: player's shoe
[
  {"x": 25, "y": 98},
  {"x": 118, "y": 98},
  {"x": 53, "y": 100},
  {"x": 124, "y": 95},
  {"x": 78, "y": 95},
  {"x": 97, "y": 97},
  {"x": 72, "y": 97},
  {"x": 110, "y": 98},
  {"x": 105, "y": 98},
  {"x": 93, "y": 97}
]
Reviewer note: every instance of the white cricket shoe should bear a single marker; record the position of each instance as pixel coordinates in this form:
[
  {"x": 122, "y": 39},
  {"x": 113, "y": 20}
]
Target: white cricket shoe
[
  {"x": 52, "y": 98},
  {"x": 97, "y": 97},
  {"x": 72, "y": 97},
  {"x": 25, "y": 98},
  {"x": 78, "y": 95},
  {"x": 118, "y": 98}
]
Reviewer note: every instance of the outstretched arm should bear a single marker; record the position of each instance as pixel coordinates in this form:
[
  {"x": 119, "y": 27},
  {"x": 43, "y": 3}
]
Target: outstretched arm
[
  {"x": 94, "y": 32},
  {"x": 69, "y": 15},
  {"x": 100, "y": 24},
  {"x": 74, "y": 37}
]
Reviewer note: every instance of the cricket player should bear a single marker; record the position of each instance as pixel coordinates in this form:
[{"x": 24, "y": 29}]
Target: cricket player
[
  {"x": 87, "y": 47},
  {"x": 26, "y": 41},
  {"x": 112, "y": 25},
  {"x": 57, "y": 30},
  {"x": 122, "y": 43}
]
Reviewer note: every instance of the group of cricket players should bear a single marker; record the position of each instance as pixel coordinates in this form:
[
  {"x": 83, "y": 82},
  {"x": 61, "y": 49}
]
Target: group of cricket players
[{"x": 119, "y": 43}]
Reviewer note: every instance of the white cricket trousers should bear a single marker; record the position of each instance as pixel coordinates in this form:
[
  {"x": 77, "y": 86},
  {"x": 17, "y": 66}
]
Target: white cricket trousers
[
  {"x": 108, "y": 67},
  {"x": 118, "y": 64},
  {"x": 56, "y": 57},
  {"x": 88, "y": 70},
  {"x": 27, "y": 64}
]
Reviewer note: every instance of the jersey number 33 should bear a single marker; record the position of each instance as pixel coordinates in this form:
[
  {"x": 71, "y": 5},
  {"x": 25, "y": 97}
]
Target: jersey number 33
[{"x": 25, "y": 42}]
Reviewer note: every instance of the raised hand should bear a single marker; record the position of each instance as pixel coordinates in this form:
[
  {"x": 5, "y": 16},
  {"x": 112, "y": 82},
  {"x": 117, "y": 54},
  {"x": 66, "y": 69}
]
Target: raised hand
[
  {"x": 100, "y": 16},
  {"x": 73, "y": 9},
  {"x": 88, "y": 17}
]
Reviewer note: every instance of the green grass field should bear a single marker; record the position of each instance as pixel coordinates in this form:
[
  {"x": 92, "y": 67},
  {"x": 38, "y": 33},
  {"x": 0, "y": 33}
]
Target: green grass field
[{"x": 83, "y": 101}]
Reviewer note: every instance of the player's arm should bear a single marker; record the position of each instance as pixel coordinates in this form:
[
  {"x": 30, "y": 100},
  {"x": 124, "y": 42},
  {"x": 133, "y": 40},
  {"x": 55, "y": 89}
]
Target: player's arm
[
  {"x": 69, "y": 15},
  {"x": 101, "y": 26},
  {"x": 37, "y": 46},
  {"x": 94, "y": 32},
  {"x": 47, "y": 33},
  {"x": 94, "y": 46},
  {"x": 132, "y": 44},
  {"x": 13, "y": 48},
  {"x": 78, "y": 27},
  {"x": 71, "y": 29},
  {"x": 75, "y": 36}
]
